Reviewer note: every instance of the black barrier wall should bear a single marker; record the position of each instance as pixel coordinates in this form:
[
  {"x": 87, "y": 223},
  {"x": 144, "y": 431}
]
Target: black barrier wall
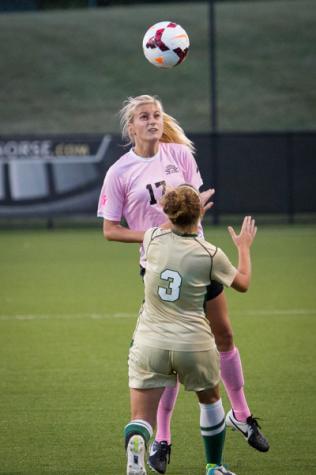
[
  {"x": 52, "y": 176},
  {"x": 267, "y": 173}
]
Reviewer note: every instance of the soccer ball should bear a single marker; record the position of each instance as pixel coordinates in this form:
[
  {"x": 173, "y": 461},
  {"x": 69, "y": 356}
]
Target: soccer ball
[{"x": 166, "y": 44}]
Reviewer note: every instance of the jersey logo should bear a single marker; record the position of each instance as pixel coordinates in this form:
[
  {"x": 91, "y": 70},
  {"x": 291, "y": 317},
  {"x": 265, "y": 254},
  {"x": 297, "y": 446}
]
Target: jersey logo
[{"x": 171, "y": 169}]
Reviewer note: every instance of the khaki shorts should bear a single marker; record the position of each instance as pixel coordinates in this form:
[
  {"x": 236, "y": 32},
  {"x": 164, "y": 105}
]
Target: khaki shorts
[{"x": 155, "y": 368}]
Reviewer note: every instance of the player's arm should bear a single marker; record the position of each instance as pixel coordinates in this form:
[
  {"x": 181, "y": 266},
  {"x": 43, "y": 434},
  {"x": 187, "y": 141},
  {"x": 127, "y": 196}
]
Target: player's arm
[
  {"x": 243, "y": 242},
  {"x": 114, "y": 231}
]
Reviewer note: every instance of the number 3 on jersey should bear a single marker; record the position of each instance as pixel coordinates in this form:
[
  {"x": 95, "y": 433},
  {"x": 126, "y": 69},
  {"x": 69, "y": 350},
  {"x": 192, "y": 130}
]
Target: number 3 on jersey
[{"x": 174, "y": 281}]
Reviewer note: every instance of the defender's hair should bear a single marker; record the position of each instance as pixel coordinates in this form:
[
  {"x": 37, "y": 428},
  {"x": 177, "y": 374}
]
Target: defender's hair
[
  {"x": 182, "y": 205},
  {"x": 172, "y": 131}
]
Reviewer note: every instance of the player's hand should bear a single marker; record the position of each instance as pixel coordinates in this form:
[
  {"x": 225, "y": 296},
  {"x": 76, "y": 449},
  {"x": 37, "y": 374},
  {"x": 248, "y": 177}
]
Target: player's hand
[
  {"x": 205, "y": 196},
  {"x": 247, "y": 233}
]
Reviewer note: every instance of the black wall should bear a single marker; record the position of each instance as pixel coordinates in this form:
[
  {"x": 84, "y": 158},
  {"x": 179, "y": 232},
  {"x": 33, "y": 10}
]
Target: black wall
[{"x": 257, "y": 173}]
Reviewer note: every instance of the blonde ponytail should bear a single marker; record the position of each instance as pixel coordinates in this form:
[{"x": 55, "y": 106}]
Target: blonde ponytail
[{"x": 173, "y": 132}]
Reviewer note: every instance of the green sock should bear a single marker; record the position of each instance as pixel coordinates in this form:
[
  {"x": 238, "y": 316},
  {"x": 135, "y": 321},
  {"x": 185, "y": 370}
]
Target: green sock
[
  {"x": 213, "y": 446},
  {"x": 212, "y": 425}
]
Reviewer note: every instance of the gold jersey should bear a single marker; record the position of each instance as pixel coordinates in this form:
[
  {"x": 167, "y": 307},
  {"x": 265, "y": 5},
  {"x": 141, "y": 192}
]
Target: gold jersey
[{"x": 179, "y": 268}]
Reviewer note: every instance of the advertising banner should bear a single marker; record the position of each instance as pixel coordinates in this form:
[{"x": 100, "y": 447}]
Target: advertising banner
[{"x": 47, "y": 176}]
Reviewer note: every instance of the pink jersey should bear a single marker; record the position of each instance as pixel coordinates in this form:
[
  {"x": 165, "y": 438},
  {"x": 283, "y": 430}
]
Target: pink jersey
[{"x": 134, "y": 185}]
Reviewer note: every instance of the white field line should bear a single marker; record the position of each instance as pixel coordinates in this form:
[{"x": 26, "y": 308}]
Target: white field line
[
  {"x": 107, "y": 316},
  {"x": 75, "y": 316}
]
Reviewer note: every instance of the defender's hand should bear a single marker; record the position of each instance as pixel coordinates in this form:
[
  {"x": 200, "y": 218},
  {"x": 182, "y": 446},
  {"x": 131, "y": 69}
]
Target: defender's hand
[
  {"x": 205, "y": 196},
  {"x": 247, "y": 233}
]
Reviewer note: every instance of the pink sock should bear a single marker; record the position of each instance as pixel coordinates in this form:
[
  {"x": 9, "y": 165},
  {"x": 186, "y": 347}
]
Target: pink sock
[
  {"x": 164, "y": 413},
  {"x": 233, "y": 379}
]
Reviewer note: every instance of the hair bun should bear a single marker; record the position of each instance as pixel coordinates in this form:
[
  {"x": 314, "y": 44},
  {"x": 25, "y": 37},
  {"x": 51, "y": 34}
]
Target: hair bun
[{"x": 182, "y": 205}]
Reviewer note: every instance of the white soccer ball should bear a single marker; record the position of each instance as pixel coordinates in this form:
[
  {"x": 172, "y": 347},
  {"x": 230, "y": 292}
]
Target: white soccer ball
[{"x": 166, "y": 44}]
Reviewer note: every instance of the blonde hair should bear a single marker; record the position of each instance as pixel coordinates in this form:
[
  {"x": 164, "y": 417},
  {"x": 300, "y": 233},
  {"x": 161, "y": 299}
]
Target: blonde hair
[
  {"x": 182, "y": 205},
  {"x": 172, "y": 131}
]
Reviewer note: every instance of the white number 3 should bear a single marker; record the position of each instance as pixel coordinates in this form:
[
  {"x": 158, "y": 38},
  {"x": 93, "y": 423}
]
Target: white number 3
[{"x": 174, "y": 280}]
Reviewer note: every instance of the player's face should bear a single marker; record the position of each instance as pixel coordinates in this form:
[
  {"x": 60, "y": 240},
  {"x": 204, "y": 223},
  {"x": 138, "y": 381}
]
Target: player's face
[{"x": 147, "y": 124}]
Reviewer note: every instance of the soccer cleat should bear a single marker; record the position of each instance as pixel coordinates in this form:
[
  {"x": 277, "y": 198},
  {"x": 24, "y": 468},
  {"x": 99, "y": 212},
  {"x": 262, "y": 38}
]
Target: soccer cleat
[
  {"x": 135, "y": 456},
  {"x": 159, "y": 456},
  {"x": 213, "y": 469},
  {"x": 250, "y": 430}
]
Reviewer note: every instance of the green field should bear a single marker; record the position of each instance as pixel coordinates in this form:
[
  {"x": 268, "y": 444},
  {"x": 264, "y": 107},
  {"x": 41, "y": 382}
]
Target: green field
[
  {"x": 69, "y": 71},
  {"x": 69, "y": 302}
]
